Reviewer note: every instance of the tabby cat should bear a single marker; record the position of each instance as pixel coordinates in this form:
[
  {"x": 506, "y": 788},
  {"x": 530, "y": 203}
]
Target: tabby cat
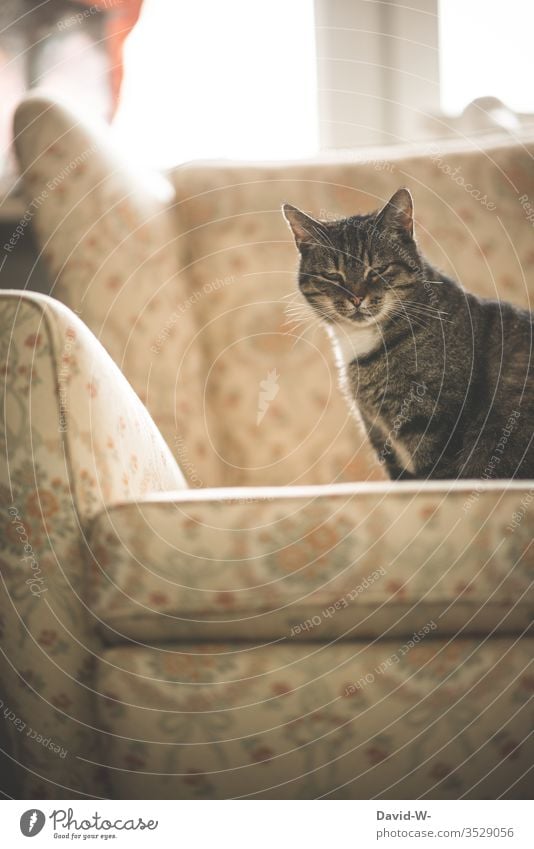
[{"x": 441, "y": 379}]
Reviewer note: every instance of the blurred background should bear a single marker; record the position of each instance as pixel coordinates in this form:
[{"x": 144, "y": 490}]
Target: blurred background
[{"x": 186, "y": 80}]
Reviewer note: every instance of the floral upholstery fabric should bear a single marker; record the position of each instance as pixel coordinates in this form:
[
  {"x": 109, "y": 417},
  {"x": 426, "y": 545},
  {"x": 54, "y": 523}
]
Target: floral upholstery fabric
[
  {"x": 188, "y": 288},
  {"x": 331, "y": 562},
  {"x": 438, "y": 719},
  {"x": 74, "y": 437},
  {"x": 117, "y": 256},
  {"x": 183, "y": 278},
  {"x": 236, "y": 233}
]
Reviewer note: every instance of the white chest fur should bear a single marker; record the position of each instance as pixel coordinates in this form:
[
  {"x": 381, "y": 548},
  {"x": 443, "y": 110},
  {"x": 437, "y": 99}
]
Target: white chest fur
[{"x": 351, "y": 342}]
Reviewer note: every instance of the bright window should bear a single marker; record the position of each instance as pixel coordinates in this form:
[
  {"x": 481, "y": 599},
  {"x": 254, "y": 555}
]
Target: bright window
[
  {"x": 486, "y": 49},
  {"x": 220, "y": 79}
]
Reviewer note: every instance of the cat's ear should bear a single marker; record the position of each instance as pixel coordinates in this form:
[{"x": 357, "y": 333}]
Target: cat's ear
[
  {"x": 305, "y": 229},
  {"x": 398, "y": 213}
]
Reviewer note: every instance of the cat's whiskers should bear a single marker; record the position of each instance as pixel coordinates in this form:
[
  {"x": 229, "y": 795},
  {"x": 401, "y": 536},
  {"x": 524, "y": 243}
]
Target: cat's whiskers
[
  {"x": 312, "y": 325},
  {"x": 413, "y": 322},
  {"x": 419, "y": 306},
  {"x": 424, "y": 312},
  {"x": 297, "y": 306},
  {"x": 426, "y": 307},
  {"x": 296, "y": 309},
  {"x": 294, "y": 297},
  {"x": 430, "y": 316},
  {"x": 298, "y": 314},
  {"x": 397, "y": 312}
]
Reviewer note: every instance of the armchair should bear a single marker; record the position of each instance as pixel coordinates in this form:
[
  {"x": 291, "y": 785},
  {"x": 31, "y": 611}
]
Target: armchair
[{"x": 287, "y": 623}]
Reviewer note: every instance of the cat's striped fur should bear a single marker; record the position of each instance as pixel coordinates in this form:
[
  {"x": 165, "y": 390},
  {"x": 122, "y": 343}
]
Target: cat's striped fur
[{"x": 441, "y": 379}]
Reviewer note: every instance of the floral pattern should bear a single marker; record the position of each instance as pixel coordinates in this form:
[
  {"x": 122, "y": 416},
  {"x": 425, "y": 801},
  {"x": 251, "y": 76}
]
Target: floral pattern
[
  {"x": 65, "y": 401},
  {"x": 185, "y": 280},
  {"x": 232, "y": 720},
  {"x": 117, "y": 256},
  {"x": 332, "y": 639},
  {"x": 335, "y": 562}
]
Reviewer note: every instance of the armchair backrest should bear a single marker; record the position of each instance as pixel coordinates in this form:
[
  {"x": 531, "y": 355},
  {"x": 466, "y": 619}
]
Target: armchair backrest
[
  {"x": 274, "y": 411},
  {"x": 187, "y": 286},
  {"x": 116, "y": 257}
]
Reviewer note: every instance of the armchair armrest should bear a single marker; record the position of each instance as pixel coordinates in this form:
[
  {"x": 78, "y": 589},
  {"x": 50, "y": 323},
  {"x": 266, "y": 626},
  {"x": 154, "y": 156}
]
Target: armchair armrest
[
  {"x": 346, "y": 561},
  {"x": 74, "y": 437},
  {"x": 63, "y": 388}
]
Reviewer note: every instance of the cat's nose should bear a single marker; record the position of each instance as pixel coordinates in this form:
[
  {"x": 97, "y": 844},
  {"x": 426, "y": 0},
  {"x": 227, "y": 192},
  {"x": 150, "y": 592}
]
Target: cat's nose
[{"x": 356, "y": 301}]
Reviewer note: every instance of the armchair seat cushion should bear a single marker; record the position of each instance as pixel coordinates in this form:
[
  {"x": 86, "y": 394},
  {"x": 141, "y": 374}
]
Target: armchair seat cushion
[
  {"x": 445, "y": 719},
  {"x": 322, "y": 563}
]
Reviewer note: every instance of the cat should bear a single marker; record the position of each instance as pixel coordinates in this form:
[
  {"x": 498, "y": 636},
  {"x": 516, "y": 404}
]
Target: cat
[{"x": 441, "y": 379}]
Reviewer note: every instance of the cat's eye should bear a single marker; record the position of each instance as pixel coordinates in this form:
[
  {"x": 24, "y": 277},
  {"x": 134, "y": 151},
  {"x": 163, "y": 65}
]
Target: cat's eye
[
  {"x": 377, "y": 274},
  {"x": 333, "y": 277},
  {"x": 392, "y": 268}
]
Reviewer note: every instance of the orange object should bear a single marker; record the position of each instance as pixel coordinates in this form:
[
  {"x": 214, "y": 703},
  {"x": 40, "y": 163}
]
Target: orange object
[{"x": 121, "y": 19}]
